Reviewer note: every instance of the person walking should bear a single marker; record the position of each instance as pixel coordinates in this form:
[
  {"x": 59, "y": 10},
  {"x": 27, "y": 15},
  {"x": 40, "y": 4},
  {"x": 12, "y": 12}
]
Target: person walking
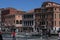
[
  {"x": 13, "y": 34},
  {"x": 1, "y": 38},
  {"x": 59, "y": 35}
]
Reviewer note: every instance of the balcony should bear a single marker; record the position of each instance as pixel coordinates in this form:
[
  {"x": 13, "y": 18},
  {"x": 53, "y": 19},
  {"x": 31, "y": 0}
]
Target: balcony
[
  {"x": 49, "y": 10},
  {"x": 18, "y": 25},
  {"x": 28, "y": 19},
  {"x": 28, "y": 25},
  {"x": 28, "y": 16}
]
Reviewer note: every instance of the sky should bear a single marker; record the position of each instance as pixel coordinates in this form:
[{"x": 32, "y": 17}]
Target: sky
[{"x": 24, "y": 5}]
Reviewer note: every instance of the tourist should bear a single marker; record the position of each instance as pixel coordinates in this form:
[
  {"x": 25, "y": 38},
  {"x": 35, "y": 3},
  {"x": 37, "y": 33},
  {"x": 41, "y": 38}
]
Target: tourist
[
  {"x": 1, "y": 36},
  {"x": 13, "y": 34},
  {"x": 59, "y": 35}
]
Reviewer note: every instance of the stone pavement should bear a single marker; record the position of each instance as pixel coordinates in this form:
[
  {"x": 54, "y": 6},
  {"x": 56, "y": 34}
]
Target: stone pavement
[
  {"x": 32, "y": 38},
  {"x": 52, "y": 38}
]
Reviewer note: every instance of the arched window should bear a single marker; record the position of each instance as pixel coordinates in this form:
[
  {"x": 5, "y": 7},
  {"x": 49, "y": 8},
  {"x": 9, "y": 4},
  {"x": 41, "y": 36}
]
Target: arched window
[{"x": 17, "y": 22}]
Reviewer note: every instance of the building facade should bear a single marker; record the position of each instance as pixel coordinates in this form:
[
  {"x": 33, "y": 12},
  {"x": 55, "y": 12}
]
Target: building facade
[
  {"x": 11, "y": 19},
  {"x": 0, "y": 20},
  {"x": 49, "y": 15},
  {"x": 6, "y": 11},
  {"x": 29, "y": 22}
]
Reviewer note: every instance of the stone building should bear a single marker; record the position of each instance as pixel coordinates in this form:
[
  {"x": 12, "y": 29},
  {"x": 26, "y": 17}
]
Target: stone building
[
  {"x": 11, "y": 19},
  {"x": 29, "y": 22},
  {"x": 48, "y": 15},
  {"x": 6, "y": 11}
]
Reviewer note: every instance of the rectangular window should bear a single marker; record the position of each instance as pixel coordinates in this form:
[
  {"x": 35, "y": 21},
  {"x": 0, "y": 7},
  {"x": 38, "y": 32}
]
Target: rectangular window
[
  {"x": 14, "y": 21},
  {"x": 55, "y": 23},
  {"x": 20, "y": 21},
  {"x": 47, "y": 22},
  {"x": 55, "y": 15},
  {"x": 40, "y": 23},
  {"x": 43, "y": 23},
  {"x": 28, "y": 16},
  {"x": 59, "y": 23},
  {"x": 55, "y": 8},
  {"x": 59, "y": 16},
  {"x": 59, "y": 9},
  {"x": 25, "y": 23},
  {"x": 32, "y": 22}
]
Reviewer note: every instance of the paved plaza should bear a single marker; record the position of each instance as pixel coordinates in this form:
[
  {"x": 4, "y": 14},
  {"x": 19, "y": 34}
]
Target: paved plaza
[
  {"x": 20, "y": 37},
  {"x": 50, "y": 38}
]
